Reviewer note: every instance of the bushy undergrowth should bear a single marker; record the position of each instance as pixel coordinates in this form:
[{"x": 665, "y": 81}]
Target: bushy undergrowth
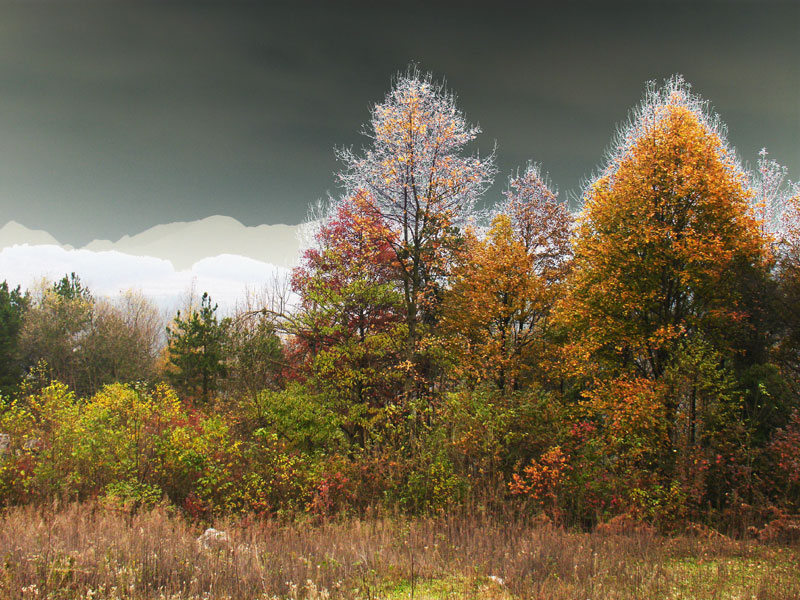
[{"x": 283, "y": 455}]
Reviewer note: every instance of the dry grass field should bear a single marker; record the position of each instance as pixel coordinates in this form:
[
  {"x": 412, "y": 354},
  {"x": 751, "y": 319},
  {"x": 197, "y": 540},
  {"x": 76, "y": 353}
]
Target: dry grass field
[{"x": 85, "y": 551}]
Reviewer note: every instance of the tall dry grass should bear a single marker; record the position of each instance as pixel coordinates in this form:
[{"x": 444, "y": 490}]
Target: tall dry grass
[{"x": 84, "y": 551}]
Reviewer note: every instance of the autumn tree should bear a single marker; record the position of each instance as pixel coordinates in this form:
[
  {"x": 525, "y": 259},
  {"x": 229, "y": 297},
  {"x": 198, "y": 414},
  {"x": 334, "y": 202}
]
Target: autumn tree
[
  {"x": 255, "y": 356},
  {"x": 349, "y": 319},
  {"x": 773, "y": 199},
  {"x": 87, "y": 342},
  {"x": 124, "y": 341},
  {"x": 504, "y": 289},
  {"x": 196, "y": 350},
  {"x": 54, "y": 331},
  {"x": 665, "y": 236},
  {"x": 790, "y": 224},
  {"x": 423, "y": 186},
  {"x": 540, "y": 221},
  {"x": 767, "y": 368},
  {"x": 665, "y": 244}
]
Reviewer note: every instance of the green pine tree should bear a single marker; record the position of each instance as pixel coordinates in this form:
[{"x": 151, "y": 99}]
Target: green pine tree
[
  {"x": 12, "y": 305},
  {"x": 196, "y": 345}
]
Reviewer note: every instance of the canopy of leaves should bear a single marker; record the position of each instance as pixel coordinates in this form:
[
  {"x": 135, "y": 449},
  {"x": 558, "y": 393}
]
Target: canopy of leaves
[
  {"x": 664, "y": 241},
  {"x": 349, "y": 324}
]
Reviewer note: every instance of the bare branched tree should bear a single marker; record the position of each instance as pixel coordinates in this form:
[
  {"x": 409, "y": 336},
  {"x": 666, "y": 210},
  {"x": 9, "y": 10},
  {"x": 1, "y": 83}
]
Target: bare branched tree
[
  {"x": 772, "y": 196},
  {"x": 423, "y": 182},
  {"x": 540, "y": 221}
]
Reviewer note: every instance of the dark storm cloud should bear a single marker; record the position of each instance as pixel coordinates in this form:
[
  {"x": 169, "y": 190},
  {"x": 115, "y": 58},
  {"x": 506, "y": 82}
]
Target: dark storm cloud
[{"x": 116, "y": 117}]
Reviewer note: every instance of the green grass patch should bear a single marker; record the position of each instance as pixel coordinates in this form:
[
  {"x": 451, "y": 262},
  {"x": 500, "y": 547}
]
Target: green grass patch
[
  {"x": 448, "y": 588},
  {"x": 771, "y": 573}
]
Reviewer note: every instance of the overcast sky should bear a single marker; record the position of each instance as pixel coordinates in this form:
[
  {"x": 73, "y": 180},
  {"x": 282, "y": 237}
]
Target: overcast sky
[{"x": 116, "y": 117}]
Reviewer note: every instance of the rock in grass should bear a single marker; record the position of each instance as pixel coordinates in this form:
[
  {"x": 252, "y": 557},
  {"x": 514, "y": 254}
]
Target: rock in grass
[{"x": 212, "y": 539}]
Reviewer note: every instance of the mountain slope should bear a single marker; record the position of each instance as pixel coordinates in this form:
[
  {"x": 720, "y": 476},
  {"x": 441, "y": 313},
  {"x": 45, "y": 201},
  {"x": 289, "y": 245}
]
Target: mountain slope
[
  {"x": 13, "y": 234},
  {"x": 185, "y": 243}
]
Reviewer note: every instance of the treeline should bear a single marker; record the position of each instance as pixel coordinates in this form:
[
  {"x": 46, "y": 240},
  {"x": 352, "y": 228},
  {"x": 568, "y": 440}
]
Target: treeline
[{"x": 639, "y": 357}]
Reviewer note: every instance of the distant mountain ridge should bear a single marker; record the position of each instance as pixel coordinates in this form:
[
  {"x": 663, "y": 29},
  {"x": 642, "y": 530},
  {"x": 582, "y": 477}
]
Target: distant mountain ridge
[
  {"x": 184, "y": 243},
  {"x": 15, "y": 234}
]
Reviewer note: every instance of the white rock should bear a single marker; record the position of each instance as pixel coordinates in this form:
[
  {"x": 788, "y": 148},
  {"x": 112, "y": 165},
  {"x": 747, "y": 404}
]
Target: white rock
[{"x": 212, "y": 538}]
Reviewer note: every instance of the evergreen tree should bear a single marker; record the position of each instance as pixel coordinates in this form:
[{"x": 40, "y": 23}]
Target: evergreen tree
[
  {"x": 12, "y": 306},
  {"x": 196, "y": 346}
]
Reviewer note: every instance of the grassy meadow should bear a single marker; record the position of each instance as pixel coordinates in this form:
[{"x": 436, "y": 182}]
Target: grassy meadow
[{"x": 88, "y": 551}]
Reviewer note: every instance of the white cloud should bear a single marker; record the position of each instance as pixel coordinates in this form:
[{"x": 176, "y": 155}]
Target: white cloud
[{"x": 227, "y": 277}]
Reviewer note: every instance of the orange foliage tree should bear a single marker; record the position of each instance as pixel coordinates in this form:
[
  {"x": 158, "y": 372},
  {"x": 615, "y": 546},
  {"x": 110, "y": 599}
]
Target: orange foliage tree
[
  {"x": 665, "y": 245},
  {"x": 502, "y": 293},
  {"x": 665, "y": 236}
]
